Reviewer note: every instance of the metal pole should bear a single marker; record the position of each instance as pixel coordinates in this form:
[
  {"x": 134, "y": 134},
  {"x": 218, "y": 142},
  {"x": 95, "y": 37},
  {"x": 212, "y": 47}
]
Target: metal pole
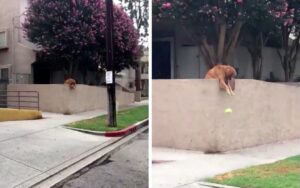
[
  {"x": 19, "y": 99},
  {"x": 38, "y": 95},
  {"x": 111, "y": 91}
]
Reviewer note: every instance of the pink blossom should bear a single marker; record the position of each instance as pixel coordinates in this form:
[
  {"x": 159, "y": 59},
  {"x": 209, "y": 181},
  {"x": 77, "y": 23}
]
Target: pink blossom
[
  {"x": 167, "y": 5},
  {"x": 214, "y": 8},
  {"x": 81, "y": 29},
  {"x": 290, "y": 21}
]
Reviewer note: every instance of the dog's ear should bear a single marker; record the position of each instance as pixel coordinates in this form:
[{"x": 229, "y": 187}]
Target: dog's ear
[{"x": 230, "y": 72}]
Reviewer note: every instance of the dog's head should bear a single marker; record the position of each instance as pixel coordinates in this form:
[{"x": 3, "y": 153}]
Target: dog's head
[
  {"x": 230, "y": 72},
  {"x": 71, "y": 82}
]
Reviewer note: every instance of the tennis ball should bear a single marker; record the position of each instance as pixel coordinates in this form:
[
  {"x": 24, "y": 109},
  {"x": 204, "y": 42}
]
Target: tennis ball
[{"x": 228, "y": 111}]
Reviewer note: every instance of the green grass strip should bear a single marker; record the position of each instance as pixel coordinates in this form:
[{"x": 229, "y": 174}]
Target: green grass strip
[
  {"x": 125, "y": 118},
  {"x": 281, "y": 174}
]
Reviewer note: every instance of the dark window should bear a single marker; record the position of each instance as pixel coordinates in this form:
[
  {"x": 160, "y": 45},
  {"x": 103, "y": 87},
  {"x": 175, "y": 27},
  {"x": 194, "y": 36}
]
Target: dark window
[
  {"x": 4, "y": 74},
  {"x": 161, "y": 61}
]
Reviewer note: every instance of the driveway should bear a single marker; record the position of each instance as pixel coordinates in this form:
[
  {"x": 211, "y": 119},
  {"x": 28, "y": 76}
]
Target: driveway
[{"x": 32, "y": 148}]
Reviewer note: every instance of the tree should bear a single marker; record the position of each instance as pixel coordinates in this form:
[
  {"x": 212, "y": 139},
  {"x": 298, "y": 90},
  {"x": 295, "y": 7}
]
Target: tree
[
  {"x": 216, "y": 24},
  {"x": 259, "y": 27},
  {"x": 139, "y": 13},
  {"x": 290, "y": 38},
  {"x": 74, "y": 32}
]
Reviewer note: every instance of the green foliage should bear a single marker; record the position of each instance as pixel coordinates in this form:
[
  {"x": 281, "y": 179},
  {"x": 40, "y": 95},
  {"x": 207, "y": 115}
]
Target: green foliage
[
  {"x": 74, "y": 32},
  {"x": 281, "y": 174},
  {"x": 125, "y": 118}
]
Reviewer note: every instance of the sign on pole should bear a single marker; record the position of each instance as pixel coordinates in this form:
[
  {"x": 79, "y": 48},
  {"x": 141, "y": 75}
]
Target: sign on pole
[{"x": 109, "y": 77}]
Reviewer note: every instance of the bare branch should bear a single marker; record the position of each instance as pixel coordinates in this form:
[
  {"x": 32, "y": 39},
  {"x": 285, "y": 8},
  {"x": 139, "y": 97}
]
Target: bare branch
[
  {"x": 280, "y": 57},
  {"x": 233, "y": 39},
  {"x": 221, "y": 42}
]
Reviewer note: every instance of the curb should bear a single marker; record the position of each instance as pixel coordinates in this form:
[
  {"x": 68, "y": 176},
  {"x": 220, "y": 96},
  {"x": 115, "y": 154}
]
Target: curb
[
  {"x": 202, "y": 184},
  {"x": 206, "y": 185},
  {"x": 214, "y": 185},
  {"x": 129, "y": 130},
  {"x": 99, "y": 133}
]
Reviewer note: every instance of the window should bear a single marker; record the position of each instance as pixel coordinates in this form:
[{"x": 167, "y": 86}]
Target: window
[
  {"x": 3, "y": 40},
  {"x": 4, "y": 74}
]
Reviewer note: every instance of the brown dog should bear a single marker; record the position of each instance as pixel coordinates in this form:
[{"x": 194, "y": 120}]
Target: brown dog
[
  {"x": 226, "y": 75},
  {"x": 71, "y": 82}
]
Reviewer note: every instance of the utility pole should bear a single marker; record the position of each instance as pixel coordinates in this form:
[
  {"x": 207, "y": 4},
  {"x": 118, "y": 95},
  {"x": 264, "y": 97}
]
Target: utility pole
[{"x": 110, "y": 71}]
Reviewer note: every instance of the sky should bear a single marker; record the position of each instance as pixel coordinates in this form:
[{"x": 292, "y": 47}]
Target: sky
[{"x": 117, "y": 1}]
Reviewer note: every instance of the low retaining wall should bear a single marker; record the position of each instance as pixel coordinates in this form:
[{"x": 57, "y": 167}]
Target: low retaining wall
[
  {"x": 60, "y": 99},
  {"x": 189, "y": 114}
]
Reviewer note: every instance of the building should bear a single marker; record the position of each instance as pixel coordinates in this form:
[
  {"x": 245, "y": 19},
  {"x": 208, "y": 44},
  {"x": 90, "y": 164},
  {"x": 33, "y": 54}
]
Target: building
[
  {"x": 175, "y": 56},
  {"x": 16, "y": 54},
  {"x": 144, "y": 66}
]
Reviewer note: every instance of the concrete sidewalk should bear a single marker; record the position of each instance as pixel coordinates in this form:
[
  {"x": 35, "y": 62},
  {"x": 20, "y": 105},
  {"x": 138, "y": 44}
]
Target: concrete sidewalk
[
  {"x": 33, "y": 148},
  {"x": 175, "y": 168}
]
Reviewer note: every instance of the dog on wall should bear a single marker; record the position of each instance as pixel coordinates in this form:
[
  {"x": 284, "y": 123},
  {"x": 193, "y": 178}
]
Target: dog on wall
[
  {"x": 71, "y": 82},
  {"x": 226, "y": 75}
]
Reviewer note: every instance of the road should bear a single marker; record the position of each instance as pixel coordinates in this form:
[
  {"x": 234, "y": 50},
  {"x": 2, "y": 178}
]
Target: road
[{"x": 128, "y": 167}]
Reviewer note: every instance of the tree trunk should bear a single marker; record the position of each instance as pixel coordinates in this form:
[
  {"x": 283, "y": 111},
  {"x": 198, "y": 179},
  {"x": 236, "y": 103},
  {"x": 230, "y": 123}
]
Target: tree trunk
[
  {"x": 286, "y": 48},
  {"x": 138, "y": 83},
  {"x": 218, "y": 52},
  {"x": 221, "y": 42},
  {"x": 256, "y": 65},
  {"x": 255, "y": 48}
]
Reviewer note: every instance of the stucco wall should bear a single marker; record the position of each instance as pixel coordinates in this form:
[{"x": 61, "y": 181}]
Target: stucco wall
[
  {"x": 60, "y": 99},
  {"x": 189, "y": 114}
]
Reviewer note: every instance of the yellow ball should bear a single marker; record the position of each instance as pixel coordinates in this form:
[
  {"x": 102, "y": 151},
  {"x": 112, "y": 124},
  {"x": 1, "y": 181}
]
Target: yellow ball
[{"x": 228, "y": 111}]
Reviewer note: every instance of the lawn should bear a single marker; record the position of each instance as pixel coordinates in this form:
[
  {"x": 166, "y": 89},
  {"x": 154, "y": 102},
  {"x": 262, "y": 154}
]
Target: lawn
[
  {"x": 125, "y": 118},
  {"x": 281, "y": 174}
]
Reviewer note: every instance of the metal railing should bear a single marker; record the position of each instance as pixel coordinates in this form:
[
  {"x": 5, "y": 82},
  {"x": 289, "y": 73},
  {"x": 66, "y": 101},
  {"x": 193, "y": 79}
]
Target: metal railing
[{"x": 20, "y": 99}]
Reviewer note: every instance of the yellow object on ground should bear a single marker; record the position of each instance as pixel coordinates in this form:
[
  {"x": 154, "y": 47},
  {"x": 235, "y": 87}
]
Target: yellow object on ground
[
  {"x": 228, "y": 111},
  {"x": 7, "y": 114}
]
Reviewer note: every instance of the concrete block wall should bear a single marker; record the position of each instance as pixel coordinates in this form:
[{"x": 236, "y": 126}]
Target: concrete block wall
[
  {"x": 189, "y": 114},
  {"x": 59, "y": 98}
]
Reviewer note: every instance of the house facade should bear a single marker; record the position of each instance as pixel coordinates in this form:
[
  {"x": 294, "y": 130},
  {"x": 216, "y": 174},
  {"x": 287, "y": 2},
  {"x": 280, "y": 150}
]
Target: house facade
[
  {"x": 176, "y": 56},
  {"x": 16, "y": 54}
]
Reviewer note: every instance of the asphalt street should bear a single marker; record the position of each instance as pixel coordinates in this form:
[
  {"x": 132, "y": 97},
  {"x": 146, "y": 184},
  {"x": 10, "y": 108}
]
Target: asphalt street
[{"x": 127, "y": 167}]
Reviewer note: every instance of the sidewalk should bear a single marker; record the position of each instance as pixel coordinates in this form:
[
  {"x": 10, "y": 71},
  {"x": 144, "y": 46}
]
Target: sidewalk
[
  {"x": 173, "y": 168},
  {"x": 33, "y": 148}
]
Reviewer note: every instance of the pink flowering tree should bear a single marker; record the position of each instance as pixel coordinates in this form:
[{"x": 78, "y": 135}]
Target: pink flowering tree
[
  {"x": 261, "y": 27},
  {"x": 289, "y": 39},
  {"x": 216, "y": 25},
  {"x": 73, "y": 33}
]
